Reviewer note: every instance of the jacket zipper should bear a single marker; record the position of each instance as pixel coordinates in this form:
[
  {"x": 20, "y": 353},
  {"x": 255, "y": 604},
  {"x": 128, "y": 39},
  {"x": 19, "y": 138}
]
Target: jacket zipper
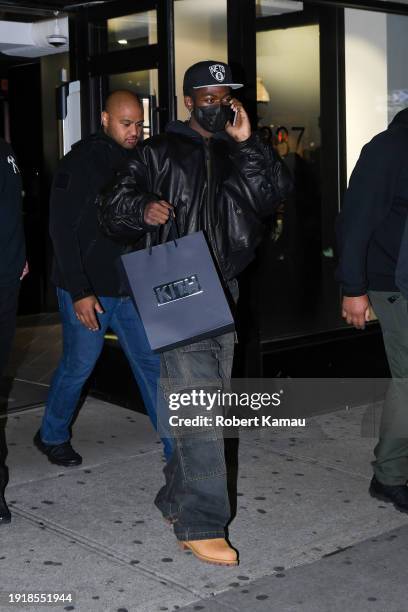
[
  {"x": 209, "y": 177},
  {"x": 210, "y": 202}
]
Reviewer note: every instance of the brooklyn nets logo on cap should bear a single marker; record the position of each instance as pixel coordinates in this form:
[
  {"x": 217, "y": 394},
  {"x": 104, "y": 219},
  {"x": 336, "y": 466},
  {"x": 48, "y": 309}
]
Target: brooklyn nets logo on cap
[{"x": 218, "y": 72}]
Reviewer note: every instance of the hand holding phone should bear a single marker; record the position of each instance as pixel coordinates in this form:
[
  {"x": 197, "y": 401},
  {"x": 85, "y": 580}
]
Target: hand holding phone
[{"x": 238, "y": 128}]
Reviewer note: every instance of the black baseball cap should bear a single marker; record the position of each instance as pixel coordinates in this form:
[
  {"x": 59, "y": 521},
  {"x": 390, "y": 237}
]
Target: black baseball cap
[{"x": 209, "y": 73}]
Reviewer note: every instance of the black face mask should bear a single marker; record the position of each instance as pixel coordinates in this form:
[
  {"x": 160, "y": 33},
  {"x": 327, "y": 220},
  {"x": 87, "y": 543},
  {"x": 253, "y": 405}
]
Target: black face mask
[{"x": 214, "y": 117}]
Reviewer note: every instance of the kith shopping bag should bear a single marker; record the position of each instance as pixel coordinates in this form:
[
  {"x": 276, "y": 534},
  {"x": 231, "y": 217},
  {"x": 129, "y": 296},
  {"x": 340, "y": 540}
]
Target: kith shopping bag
[{"x": 178, "y": 292}]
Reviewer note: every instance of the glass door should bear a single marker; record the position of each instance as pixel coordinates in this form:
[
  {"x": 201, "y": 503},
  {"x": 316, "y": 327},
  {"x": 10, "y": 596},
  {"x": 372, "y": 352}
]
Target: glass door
[
  {"x": 288, "y": 108},
  {"x": 117, "y": 46}
]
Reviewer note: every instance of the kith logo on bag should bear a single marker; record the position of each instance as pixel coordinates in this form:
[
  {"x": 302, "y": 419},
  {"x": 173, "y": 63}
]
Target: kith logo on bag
[
  {"x": 177, "y": 290},
  {"x": 218, "y": 72}
]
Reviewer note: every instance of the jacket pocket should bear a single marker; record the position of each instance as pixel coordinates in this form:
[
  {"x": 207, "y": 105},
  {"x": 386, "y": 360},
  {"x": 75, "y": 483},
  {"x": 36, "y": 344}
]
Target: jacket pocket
[{"x": 244, "y": 230}]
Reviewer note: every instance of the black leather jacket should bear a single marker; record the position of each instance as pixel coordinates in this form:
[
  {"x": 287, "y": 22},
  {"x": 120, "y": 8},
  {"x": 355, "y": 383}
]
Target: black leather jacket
[{"x": 222, "y": 187}]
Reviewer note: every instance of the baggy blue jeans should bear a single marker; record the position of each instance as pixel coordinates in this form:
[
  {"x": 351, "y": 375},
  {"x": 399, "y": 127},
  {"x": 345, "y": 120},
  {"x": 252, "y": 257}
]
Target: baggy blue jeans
[
  {"x": 195, "y": 496},
  {"x": 81, "y": 349}
]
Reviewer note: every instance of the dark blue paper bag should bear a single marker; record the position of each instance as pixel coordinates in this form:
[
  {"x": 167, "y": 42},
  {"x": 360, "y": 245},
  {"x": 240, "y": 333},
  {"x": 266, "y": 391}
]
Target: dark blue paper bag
[{"x": 178, "y": 292}]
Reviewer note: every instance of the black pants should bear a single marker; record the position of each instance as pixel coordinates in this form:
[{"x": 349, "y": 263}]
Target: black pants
[{"x": 8, "y": 313}]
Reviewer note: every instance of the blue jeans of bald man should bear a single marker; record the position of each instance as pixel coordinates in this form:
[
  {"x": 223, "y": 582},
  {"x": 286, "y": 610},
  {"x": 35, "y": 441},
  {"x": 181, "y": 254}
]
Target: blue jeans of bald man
[{"x": 81, "y": 349}]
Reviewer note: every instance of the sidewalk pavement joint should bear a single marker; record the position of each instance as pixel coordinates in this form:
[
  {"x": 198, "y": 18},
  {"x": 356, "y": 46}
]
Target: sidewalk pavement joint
[{"x": 92, "y": 546}]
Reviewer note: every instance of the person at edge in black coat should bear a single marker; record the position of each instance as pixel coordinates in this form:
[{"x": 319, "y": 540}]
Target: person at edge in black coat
[
  {"x": 13, "y": 268},
  {"x": 373, "y": 270}
]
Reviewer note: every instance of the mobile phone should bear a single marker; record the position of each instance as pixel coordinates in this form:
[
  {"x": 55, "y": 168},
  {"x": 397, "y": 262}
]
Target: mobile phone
[{"x": 235, "y": 118}]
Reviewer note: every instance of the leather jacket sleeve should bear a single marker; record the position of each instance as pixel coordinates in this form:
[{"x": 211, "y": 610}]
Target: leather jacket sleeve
[
  {"x": 122, "y": 203},
  {"x": 266, "y": 174},
  {"x": 155, "y": 167}
]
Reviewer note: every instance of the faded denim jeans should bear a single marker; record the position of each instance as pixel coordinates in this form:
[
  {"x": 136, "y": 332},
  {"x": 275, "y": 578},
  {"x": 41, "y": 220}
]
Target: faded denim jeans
[{"x": 195, "y": 496}]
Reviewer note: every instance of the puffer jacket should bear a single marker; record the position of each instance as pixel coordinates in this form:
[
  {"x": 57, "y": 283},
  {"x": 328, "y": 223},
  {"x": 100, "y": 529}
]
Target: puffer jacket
[{"x": 222, "y": 187}]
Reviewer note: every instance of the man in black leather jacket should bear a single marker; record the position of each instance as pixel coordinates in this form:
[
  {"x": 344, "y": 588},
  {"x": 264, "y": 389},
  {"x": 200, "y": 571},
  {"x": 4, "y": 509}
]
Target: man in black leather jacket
[{"x": 217, "y": 177}]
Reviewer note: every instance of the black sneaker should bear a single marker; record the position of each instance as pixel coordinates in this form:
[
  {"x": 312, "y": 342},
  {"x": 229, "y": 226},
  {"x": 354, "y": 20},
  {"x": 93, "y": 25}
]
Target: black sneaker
[
  {"x": 60, "y": 454},
  {"x": 395, "y": 494}
]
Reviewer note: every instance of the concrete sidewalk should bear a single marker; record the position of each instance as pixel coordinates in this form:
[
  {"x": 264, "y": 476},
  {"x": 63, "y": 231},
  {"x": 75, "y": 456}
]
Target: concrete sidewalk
[{"x": 93, "y": 531}]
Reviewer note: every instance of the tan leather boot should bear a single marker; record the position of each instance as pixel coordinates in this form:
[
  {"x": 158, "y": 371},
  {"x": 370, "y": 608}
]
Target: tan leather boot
[{"x": 216, "y": 551}]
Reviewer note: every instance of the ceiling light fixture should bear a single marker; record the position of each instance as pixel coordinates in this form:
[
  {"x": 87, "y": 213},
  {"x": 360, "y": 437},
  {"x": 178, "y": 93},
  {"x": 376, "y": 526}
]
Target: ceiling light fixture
[{"x": 57, "y": 38}]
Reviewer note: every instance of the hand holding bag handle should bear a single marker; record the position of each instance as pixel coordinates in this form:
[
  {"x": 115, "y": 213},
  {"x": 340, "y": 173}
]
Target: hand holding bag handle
[{"x": 173, "y": 228}]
